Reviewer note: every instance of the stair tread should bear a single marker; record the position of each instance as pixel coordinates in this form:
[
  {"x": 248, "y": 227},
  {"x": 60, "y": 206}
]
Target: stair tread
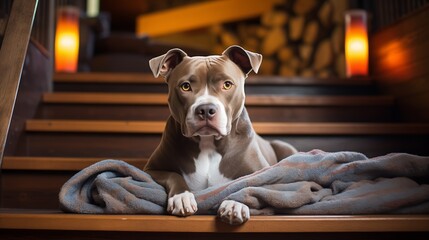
[
  {"x": 251, "y": 100},
  {"x": 55, "y": 220},
  {"x": 101, "y": 77},
  {"x": 264, "y": 128},
  {"x": 146, "y": 78},
  {"x": 59, "y": 163}
]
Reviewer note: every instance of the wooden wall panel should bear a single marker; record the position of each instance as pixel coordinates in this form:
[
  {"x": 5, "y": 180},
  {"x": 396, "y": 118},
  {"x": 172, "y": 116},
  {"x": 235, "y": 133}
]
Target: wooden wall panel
[
  {"x": 399, "y": 60},
  {"x": 34, "y": 81}
]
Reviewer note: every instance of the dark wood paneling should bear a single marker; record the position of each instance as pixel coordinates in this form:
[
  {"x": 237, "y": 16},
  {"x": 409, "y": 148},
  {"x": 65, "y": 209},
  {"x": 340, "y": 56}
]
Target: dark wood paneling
[
  {"x": 34, "y": 81},
  {"x": 371, "y": 146},
  {"x": 58, "y": 163},
  {"x": 321, "y": 114},
  {"x": 89, "y": 145},
  {"x": 141, "y": 146},
  {"x": 103, "y": 112},
  {"x": 75, "y": 235},
  {"x": 148, "y": 78},
  {"x": 31, "y": 189},
  {"x": 400, "y": 56},
  {"x": 144, "y": 82},
  {"x": 258, "y": 114},
  {"x": 249, "y": 89}
]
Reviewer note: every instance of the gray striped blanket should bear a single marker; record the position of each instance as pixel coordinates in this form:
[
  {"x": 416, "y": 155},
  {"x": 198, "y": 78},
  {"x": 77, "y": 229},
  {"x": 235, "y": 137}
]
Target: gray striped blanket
[{"x": 314, "y": 182}]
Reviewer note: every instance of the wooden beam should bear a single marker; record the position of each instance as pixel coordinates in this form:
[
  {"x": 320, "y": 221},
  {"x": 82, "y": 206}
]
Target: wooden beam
[
  {"x": 160, "y": 223},
  {"x": 264, "y": 128},
  {"x": 199, "y": 15},
  {"x": 12, "y": 55},
  {"x": 251, "y": 100}
]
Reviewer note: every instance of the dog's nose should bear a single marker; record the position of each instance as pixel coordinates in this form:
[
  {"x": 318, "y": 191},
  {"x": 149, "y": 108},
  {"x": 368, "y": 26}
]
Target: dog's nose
[{"x": 206, "y": 111}]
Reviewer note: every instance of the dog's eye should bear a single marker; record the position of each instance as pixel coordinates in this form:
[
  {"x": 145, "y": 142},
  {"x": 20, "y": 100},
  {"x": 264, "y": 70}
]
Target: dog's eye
[
  {"x": 227, "y": 85},
  {"x": 185, "y": 86}
]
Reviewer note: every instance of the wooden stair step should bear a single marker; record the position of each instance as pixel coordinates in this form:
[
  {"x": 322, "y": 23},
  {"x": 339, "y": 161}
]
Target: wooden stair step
[
  {"x": 251, "y": 100},
  {"x": 100, "y": 77},
  {"x": 144, "y": 82},
  {"x": 263, "y": 128},
  {"x": 147, "y": 78},
  {"x": 99, "y": 145},
  {"x": 153, "y": 106},
  {"x": 51, "y": 220},
  {"x": 131, "y": 145},
  {"x": 135, "y": 112},
  {"x": 58, "y": 163}
]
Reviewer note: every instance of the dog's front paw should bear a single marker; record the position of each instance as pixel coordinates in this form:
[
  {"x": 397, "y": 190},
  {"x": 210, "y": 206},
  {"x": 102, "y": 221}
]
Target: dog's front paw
[
  {"x": 233, "y": 212},
  {"x": 182, "y": 204}
]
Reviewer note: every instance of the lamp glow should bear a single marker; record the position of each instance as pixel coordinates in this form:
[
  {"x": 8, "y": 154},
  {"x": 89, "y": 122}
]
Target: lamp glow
[
  {"x": 67, "y": 40},
  {"x": 356, "y": 43}
]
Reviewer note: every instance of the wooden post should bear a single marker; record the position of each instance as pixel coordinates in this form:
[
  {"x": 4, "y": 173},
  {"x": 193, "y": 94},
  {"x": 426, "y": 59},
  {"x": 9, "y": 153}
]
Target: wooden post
[{"x": 12, "y": 56}]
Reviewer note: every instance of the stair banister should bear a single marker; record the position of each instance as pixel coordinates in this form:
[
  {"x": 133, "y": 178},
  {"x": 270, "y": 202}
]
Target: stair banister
[{"x": 12, "y": 55}]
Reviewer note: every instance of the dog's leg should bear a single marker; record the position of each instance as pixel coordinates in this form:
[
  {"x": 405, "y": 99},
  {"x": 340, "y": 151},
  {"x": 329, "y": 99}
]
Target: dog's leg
[
  {"x": 233, "y": 212},
  {"x": 181, "y": 202},
  {"x": 282, "y": 149}
]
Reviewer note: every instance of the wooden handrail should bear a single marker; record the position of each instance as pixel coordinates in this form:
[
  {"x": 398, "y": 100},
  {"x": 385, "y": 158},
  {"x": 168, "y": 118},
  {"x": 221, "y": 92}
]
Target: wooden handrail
[{"x": 12, "y": 56}]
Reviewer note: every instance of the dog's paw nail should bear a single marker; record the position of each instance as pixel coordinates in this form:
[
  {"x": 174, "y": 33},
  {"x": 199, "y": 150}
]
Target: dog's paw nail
[
  {"x": 235, "y": 214},
  {"x": 187, "y": 210}
]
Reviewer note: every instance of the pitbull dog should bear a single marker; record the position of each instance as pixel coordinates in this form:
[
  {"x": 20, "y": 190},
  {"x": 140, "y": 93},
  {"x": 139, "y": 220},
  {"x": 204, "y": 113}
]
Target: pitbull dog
[{"x": 208, "y": 139}]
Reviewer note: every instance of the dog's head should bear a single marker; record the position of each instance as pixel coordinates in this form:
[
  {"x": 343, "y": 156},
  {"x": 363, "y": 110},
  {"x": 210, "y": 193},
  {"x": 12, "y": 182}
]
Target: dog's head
[{"x": 206, "y": 94}]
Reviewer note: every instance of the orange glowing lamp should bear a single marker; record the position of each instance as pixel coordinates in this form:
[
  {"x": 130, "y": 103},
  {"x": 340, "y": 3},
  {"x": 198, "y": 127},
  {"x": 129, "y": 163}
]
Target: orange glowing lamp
[
  {"x": 356, "y": 43},
  {"x": 67, "y": 39}
]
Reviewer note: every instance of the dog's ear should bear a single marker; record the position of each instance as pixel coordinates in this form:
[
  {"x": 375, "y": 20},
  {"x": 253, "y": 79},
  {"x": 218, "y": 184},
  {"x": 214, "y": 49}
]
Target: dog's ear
[
  {"x": 162, "y": 65},
  {"x": 245, "y": 59}
]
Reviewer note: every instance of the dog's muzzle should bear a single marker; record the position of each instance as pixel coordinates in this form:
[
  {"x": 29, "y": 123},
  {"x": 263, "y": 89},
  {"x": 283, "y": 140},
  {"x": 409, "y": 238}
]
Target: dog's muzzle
[
  {"x": 206, "y": 111},
  {"x": 207, "y": 119}
]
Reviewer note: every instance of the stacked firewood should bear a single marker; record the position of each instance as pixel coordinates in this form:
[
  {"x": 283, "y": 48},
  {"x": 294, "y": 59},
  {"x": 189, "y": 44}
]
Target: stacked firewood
[{"x": 297, "y": 38}]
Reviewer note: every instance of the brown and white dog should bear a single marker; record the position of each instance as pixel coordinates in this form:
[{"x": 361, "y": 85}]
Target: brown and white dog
[{"x": 208, "y": 139}]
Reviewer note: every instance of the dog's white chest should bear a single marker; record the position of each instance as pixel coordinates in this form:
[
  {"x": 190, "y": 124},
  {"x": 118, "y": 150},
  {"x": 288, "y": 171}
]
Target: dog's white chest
[{"x": 207, "y": 163}]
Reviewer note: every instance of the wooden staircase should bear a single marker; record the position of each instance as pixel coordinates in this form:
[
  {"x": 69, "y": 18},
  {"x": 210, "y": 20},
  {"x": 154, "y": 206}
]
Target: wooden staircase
[{"x": 93, "y": 116}]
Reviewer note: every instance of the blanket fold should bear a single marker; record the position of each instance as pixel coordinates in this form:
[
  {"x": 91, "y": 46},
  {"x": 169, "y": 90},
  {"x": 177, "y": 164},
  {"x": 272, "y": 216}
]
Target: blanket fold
[
  {"x": 315, "y": 182},
  {"x": 115, "y": 187}
]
